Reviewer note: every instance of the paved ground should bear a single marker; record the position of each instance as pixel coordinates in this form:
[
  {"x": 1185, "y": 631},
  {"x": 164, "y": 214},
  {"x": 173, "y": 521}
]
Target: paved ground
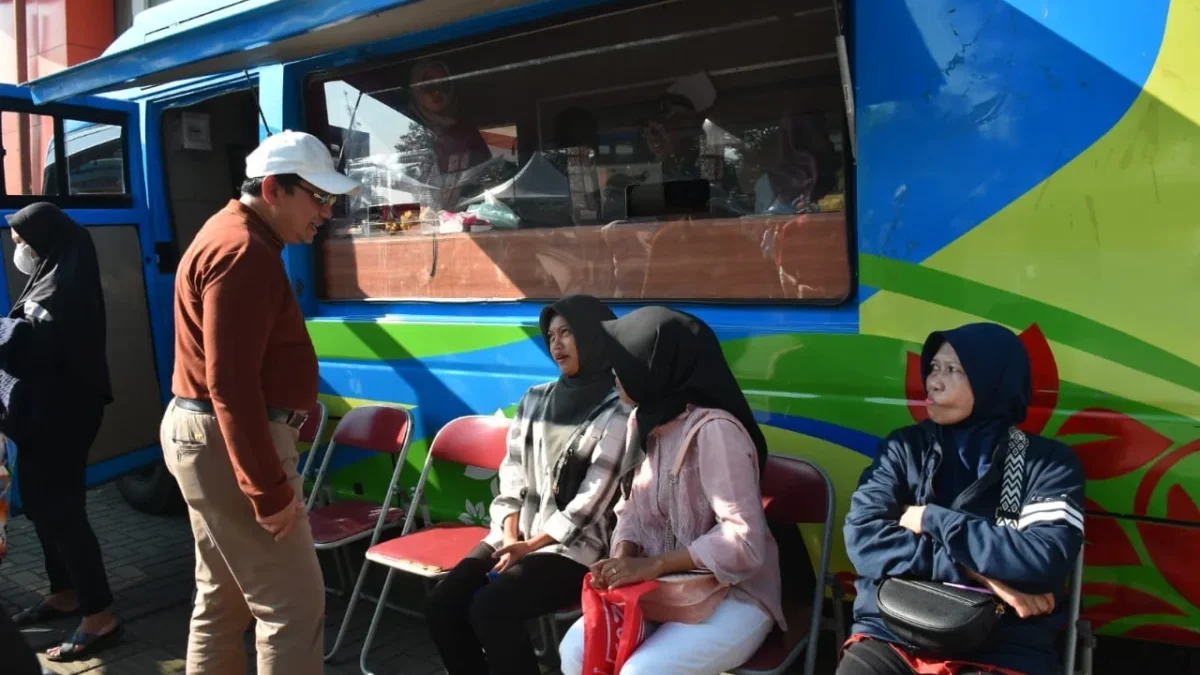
[{"x": 149, "y": 560}]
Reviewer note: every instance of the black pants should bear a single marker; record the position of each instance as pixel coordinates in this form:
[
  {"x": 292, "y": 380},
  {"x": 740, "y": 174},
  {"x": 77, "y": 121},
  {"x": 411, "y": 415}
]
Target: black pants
[
  {"x": 469, "y": 617},
  {"x": 52, "y": 475},
  {"x": 875, "y": 657},
  {"x": 16, "y": 656}
]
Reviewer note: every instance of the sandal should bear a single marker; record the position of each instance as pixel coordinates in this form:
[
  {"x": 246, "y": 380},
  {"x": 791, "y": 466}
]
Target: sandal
[
  {"x": 82, "y": 645},
  {"x": 41, "y": 613}
]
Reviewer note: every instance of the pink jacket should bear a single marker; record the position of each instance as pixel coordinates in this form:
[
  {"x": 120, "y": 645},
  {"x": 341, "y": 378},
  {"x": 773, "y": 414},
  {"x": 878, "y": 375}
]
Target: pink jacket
[{"x": 714, "y": 506}]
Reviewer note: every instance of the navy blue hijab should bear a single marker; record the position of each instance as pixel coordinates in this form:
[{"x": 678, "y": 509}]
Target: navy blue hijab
[{"x": 998, "y": 368}]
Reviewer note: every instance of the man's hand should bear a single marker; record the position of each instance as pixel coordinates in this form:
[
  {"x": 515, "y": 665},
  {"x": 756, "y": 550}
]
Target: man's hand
[
  {"x": 911, "y": 518},
  {"x": 279, "y": 524},
  {"x": 616, "y": 572},
  {"x": 1026, "y": 605},
  {"x": 510, "y": 554}
]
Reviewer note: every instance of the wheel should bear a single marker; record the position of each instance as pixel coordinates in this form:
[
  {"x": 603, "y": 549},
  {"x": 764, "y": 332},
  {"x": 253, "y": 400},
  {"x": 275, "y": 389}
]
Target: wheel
[{"x": 151, "y": 489}]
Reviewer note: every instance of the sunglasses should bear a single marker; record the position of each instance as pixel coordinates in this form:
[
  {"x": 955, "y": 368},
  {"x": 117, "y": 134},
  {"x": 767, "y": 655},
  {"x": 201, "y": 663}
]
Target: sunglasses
[{"x": 322, "y": 198}]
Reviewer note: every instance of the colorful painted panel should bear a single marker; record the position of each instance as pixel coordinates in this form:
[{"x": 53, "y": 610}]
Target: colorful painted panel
[{"x": 1029, "y": 163}]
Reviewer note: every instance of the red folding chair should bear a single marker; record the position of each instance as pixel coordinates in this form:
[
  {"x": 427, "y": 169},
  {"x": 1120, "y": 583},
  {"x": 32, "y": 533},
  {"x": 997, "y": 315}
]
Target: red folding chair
[
  {"x": 475, "y": 440},
  {"x": 796, "y": 491},
  {"x": 378, "y": 428},
  {"x": 311, "y": 433}
]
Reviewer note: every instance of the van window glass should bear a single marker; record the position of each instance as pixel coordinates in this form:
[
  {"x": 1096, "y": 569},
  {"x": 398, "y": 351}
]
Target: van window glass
[
  {"x": 95, "y": 158},
  {"x": 681, "y": 150}
]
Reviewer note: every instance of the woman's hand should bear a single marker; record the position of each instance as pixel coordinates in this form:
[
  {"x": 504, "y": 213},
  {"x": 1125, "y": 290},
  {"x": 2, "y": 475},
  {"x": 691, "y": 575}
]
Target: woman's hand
[
  {"x": 911, "y": 518},
  {"x": 510, "y": 554},
  {"x": 616, "y": 572},
  {"x": 1026, "y": 605}
]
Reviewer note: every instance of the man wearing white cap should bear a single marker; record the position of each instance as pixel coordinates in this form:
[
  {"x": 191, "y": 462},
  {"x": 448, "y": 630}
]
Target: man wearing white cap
[{"x": 245, "y": 378}]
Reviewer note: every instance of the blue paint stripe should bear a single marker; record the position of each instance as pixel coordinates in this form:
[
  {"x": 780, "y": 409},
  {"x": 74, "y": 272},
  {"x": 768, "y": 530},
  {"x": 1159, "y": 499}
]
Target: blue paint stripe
[
  {"x": 730, "y": 321},
  {"x": 853, "y": 439}
]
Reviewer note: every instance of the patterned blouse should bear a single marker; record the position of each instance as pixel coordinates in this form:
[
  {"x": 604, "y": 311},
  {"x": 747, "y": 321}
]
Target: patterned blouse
[{"x": 527, "y": 479}]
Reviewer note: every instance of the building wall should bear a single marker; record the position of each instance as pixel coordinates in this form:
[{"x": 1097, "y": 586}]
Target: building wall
[{"x": 57, "y": 35}]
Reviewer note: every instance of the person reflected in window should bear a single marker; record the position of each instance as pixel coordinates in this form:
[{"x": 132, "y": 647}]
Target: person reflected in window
[
  {"x": 551, "y": 518},
  {"x": 675, "y": 136},
  {"x": 801, "y": 170},
  {"x": 62, "y": 307},
  {"x": 576, "y": 137},
  {"x": 927, "y": 509},
  {"x": 455, "y": 144},
  {"x": 670, "y": 367}
]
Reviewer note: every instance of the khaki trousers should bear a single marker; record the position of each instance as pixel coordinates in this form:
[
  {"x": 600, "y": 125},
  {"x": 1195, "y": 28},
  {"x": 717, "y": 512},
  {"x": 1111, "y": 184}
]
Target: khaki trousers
[{"x": 242, "y": 573}]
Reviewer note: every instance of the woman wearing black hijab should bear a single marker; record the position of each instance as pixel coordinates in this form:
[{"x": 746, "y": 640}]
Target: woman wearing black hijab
[
  {"x": 550, "y": 519},
  {"x": 62, "y": 309},
  {"x": 695, "y": 501},
  {"x": 941, "y": 503}
]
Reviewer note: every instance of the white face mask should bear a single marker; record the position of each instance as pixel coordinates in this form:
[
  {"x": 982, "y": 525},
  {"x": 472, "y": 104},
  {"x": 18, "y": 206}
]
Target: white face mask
[{"x": 25, "y": 259}]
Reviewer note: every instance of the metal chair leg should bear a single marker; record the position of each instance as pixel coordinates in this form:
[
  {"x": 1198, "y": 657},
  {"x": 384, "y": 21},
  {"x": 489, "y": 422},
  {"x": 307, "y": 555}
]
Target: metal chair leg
[
  {"x": 839, "y": 617},
  {"x": 1087, "y": 642},
  {"x": 341, "y": 635},
  {"x": 341, "y": 559},
  {"x": 366, "y": 649}
]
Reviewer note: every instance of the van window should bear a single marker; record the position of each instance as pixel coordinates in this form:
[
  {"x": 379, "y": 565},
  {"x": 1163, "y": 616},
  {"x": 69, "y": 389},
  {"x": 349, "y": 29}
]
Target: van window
[
  {"x": 95, "y": 174},
  {"x": 95, "y": 158},
  {"x": 686, "y": 150}
]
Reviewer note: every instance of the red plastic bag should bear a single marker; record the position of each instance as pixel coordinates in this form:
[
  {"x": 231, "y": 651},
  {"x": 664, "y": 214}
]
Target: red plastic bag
[{"x": 612, "y": 625}]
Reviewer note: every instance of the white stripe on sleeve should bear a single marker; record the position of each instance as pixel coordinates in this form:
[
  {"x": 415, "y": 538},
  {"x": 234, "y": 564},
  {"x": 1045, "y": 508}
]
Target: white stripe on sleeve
[{"x": 1044, "y": 512}]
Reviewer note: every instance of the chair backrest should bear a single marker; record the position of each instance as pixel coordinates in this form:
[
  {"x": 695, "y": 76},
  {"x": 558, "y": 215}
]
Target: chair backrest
[
  {"x": 379, "y": 428},
  {"x": 314, "y": 425},
  {"x": 796, "y": 491},
  {"x": 473, "y": 440},
  {"x": 1074, "y": 600},
  {"x": 311, "y": 433}
]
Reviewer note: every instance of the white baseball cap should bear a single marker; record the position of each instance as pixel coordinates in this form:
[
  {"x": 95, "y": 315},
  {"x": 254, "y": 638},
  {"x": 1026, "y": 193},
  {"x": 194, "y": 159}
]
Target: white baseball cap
[{"x": 302, "y": 154}]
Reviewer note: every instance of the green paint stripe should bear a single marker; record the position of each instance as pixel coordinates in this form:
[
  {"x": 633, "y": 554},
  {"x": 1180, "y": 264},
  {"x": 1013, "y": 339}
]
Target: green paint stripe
[
  {"x": 373, "y": 341},
  {"x": 1015, "y": 310}
]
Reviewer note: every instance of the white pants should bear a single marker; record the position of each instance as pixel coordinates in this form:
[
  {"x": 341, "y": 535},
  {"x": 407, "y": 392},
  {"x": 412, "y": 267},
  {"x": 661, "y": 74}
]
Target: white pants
[{"x": 726, "y": 640}]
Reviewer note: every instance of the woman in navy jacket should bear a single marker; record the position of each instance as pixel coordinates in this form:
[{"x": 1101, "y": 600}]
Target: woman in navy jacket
[{"x": 927, "y": 508}]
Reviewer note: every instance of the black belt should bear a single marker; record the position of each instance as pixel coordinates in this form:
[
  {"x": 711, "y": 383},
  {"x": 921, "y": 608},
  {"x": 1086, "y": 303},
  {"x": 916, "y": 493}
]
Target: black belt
[{"x": 292, "y": 418}]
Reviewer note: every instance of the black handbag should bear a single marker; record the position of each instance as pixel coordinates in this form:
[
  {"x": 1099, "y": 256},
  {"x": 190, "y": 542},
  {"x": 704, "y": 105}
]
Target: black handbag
[
  {"x": 945, "y": 619},
  {"x": 573, "y": 465},
  {"x": 935, "y": 617}
]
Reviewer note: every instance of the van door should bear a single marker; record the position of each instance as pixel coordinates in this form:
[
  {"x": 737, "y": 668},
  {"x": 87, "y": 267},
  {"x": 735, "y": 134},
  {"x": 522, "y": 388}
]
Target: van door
[{"x": 87, "y": 158}]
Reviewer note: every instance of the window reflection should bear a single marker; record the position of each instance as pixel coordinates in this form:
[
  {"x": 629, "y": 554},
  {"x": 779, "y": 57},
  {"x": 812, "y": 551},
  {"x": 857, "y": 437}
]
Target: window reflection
[{"x": 682, "y": 150}]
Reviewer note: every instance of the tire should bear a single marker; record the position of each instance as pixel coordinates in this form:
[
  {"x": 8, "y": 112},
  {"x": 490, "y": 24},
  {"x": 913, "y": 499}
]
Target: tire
[{"x": 151, "y": 489}]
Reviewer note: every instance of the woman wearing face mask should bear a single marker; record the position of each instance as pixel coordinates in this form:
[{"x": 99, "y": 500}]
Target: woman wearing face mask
[
  {"x": 709, "y": 516},
  {"x": 550, "y": 519},
  {"x": 927, "y": 509},
  {"x": 62, "y": 308}
]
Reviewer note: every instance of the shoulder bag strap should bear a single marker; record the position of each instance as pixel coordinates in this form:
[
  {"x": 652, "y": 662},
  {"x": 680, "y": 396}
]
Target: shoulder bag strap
[
  {"x": 687, "y": 442},
  {"x": 1008, "y": 514}
]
